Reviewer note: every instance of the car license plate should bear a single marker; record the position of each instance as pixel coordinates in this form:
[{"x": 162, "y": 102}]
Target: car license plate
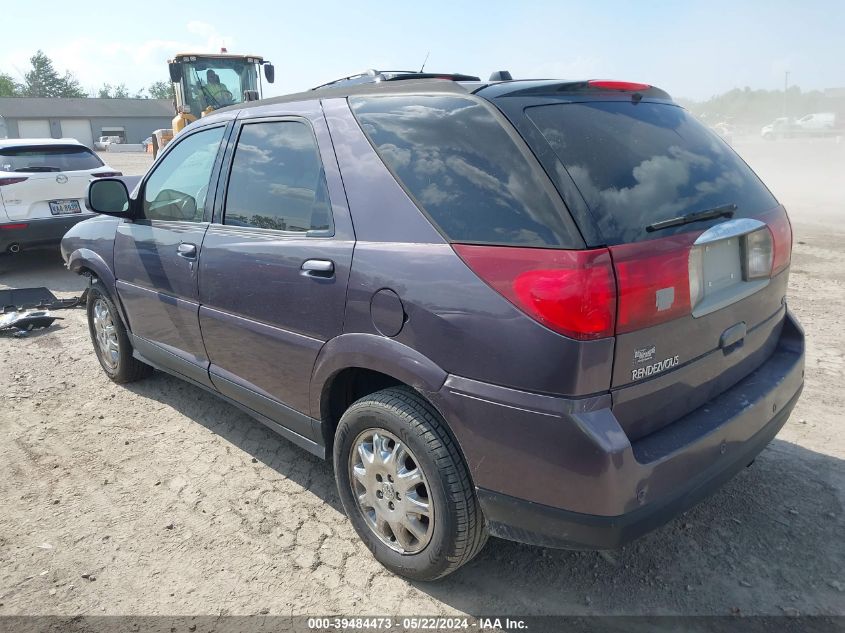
[{"x": 64, "y": 207}]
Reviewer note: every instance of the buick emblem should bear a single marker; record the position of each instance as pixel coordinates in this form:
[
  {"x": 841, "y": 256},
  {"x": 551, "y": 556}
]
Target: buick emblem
[{"x": 61, "y": 179}]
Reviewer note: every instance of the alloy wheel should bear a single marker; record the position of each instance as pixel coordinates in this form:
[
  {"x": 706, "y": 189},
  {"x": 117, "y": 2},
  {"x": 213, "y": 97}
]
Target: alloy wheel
[
  {"x": 391, "y": 491},
  {"x": 105, "y": 333}
]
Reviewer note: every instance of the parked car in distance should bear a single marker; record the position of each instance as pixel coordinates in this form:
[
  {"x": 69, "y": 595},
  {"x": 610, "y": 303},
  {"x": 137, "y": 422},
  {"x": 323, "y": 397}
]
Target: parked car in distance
[
  {"x": 527, "y": 333},
  {"x": 781, "y": 127},
  {"x": 103, "y": 142},
  {"x": 148, "y": 143},
  {"x": 725, "y": 131},
  {"x": 816, "y": 123},
  {"x": 43, "y": 187}
]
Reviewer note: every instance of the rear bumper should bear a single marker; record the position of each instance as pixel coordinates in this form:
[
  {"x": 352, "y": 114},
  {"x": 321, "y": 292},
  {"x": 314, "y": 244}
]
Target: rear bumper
[
  {"x": 538, "y": 524},
  {"x": 562, "y": 473},
  {"x": 39, "y": 232}
]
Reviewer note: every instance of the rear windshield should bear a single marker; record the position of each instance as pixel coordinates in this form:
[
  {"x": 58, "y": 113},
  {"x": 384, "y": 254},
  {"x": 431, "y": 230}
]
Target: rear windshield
[
  {"x": 36, "y": 158},
  {"x": 464, "y": 170},
  {"x": 638, "y": 163}
]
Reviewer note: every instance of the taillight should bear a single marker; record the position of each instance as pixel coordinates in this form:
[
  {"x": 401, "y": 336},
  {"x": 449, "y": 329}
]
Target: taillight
[
  {"x": 597, "y": 293},
  {"x": 782, "y": 236},
  {"x": 570, "y": 292},
  {"x": 13, "y": 227},
  {"x": 653, "y": 281},
  {"x": 12, "y": 180},
  {"x": 107, "y": 174}
]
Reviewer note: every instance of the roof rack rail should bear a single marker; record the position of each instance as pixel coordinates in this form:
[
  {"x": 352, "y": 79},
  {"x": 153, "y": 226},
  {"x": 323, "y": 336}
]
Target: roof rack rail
[{"x": 372, "y": 76}]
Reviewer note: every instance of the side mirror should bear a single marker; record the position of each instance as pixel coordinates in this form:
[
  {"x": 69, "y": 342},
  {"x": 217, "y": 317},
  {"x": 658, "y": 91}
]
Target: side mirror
[
  {"x": 251, "y": 95},
  {"x": 175, "y": 72},
  {"x": 270, "y": 72},
  {"x": 109, "y": 197}
]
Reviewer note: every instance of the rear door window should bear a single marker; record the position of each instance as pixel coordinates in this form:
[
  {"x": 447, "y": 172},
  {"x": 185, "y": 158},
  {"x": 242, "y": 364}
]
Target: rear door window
[
  {"x": 47, "y": 158},
  {"x": 638, "y": 163},
  {"x": 465, "y": 171},
  {"x": 277, "y": 180}
]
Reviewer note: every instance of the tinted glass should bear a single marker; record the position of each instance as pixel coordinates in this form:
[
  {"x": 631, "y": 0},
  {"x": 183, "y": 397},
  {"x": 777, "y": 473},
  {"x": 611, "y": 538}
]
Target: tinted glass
[
  {"x": 48, "y": 158},
  {"x": 464, "y": 170},
  {"x": 639, "y": 163},
  {"x": 178, "y": 187},
  {"x": 277, "y": 180}
]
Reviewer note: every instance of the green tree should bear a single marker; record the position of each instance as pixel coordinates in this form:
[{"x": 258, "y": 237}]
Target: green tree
[
  {"x": 161, "y": 90},
  {"x": 8, "y": 86},
  {"x": 113, "y": 92},
  {"x": 44, "y": 81}
]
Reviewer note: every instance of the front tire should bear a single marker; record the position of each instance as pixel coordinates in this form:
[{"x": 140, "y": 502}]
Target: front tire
[
  {"x": 111, "y": 343},
  {"x": 405, "y": 486}
]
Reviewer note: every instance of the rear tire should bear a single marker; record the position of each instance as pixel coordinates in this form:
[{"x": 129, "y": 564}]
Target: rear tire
[
  {"x": 385, "y": 443},
  {"x": 111, "y": 343}
]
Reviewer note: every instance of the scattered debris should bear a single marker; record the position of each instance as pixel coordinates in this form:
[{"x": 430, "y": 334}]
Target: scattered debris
[
  {"x": 25, "y": 309},
  {"x": 20, "y": 323},
  {"x": 607, "y": 556}
]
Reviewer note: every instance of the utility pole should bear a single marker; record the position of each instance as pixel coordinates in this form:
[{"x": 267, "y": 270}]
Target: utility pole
[{"x": 785, "y": 87}]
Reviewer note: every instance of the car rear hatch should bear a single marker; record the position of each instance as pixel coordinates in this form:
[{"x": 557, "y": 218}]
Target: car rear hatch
[
  {"x": 39, "y": 182},
  {"x": 700, "y": 248}
]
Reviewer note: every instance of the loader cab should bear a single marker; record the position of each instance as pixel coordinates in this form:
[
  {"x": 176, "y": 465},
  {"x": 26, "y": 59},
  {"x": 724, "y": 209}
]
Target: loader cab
[{"x": 204, "y": 83}]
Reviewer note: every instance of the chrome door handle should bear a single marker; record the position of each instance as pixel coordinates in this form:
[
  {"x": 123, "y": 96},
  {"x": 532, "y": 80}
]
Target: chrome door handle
[
  {"x": 186, "y": 250},
  {"x": 318, "y": 267}
]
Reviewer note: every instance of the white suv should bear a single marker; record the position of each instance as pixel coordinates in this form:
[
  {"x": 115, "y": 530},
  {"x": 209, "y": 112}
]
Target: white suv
[{"x": 43, "y": 184}]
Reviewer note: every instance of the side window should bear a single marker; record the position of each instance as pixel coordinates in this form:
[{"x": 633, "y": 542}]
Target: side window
[
  {"x": 464, "y": 170},
  {"x": 277, "y": 180},
  {"x": 178, "y": 187}
]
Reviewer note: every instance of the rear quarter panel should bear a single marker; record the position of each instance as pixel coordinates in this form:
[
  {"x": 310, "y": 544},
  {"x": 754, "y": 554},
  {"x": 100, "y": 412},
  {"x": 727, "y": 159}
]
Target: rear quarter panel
[{"x": 451, "y": 316}]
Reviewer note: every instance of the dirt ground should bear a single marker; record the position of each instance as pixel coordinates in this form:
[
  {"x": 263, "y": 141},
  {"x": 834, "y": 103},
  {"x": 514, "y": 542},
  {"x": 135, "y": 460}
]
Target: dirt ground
[{"x": 158, "y": 498}]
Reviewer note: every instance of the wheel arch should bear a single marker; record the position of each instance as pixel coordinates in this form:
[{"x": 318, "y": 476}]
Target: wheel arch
[
  {"x": 352, "y": 366},
  {"x": 85, "y": 260}
]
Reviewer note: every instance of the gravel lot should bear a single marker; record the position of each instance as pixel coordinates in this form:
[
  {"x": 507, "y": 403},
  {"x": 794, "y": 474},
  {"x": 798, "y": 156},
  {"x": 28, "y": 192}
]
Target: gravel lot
[{"x": 158, "y": 498}]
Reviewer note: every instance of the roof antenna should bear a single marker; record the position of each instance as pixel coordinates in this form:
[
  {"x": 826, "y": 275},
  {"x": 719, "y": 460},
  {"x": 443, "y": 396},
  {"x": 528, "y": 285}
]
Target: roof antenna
[{"x": 425, "y": 60}]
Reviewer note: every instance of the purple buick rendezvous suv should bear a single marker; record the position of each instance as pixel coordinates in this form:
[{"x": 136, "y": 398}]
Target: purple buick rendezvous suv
[{"x": 550, "y": 311}]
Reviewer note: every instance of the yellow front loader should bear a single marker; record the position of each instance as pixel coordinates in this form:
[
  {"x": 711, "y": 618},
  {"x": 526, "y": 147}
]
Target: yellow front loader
[{"x": 202, "y": 83}]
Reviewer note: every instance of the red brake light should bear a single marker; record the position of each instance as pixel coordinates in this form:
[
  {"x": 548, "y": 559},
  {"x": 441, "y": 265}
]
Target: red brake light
[
  {"x": 653, "y": 278},
  {"x": 107, "y": 174},
  {"x": 782, "y": 240},
  {"x": 12, "y": 180},
  {"x": 617, "y": 85},
  {"x": 571, "y": 292},
  {"x": 14, "y": 227}
]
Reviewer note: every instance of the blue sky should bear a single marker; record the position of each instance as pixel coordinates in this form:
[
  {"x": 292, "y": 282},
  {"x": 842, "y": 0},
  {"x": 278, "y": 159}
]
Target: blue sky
[{"x": 691, "y": 49}]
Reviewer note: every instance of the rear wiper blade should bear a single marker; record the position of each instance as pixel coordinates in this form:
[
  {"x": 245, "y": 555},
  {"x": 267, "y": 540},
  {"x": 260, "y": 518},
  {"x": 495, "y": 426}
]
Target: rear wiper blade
[
  {"x": 38, "y": 168},
  {"x": 726, "y": 211}
]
